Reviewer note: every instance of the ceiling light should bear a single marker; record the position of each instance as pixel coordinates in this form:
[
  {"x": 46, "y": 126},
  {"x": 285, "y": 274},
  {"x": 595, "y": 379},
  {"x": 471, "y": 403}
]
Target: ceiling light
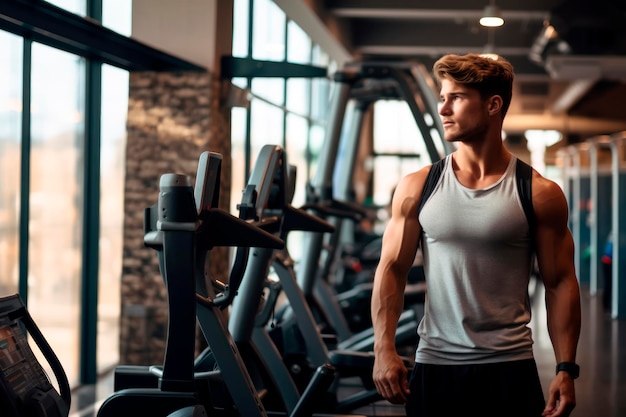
[{"x": 491, "y": 16}]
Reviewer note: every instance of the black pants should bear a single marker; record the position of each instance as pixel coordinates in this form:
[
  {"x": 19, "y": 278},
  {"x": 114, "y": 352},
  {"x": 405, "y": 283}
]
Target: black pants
[{"x": 511, "y": 389}]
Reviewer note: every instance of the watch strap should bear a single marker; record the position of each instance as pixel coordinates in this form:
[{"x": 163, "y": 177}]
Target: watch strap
[{"x": 570, "y": 367}]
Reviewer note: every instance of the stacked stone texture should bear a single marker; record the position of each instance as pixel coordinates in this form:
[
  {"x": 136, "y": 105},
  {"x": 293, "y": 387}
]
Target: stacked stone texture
[{"x": 172, "y": 119}]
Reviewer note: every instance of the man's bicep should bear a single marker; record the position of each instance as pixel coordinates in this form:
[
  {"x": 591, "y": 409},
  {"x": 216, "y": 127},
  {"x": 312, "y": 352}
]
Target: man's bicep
[
  {"x": 400, "y": 242},
  {"x": 555, "y": 245},
  {"x": 556, "y": 256},
  {"x": 401, "y": 236}
]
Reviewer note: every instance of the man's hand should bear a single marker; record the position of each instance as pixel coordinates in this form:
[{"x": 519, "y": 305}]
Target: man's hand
[
  {"x": 390, "y": 377},
  {"x": 561, "y": 397}
]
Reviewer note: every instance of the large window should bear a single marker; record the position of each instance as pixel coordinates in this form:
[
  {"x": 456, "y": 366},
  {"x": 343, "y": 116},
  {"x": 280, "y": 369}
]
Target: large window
[
  {"x": 116, "y": 15},
  {"x": 290, "y": 112},
  {"x": 45, "y": 95},
  {"x": 56, "y": 200},
  {"x": 10, "y": 154},
  {"x": 398, "y": 147},
  {"x": 268, "y": 30},
  {"x": 112, "y": 170},
  {"x": 266, "y": 127},
  {"x": 241, "y": 28}
]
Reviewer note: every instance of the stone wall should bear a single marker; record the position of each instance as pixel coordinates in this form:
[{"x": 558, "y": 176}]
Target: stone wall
[{"x": 172, "y": 119}]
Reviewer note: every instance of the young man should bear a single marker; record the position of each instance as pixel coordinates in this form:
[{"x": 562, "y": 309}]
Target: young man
[{"x": 474, "y": 355}]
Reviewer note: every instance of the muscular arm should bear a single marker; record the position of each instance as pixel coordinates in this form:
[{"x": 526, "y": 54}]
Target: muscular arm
[
  {"x": 400, "y": 242},
  {"x": 555, "y": 256}
]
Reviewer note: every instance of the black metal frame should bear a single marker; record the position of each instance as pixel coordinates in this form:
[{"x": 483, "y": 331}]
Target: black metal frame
[{"x": 43, "y": 22}]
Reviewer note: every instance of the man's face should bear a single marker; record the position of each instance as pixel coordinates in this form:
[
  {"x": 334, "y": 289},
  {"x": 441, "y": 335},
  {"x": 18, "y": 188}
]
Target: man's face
[{"x": 463, "y": 113}]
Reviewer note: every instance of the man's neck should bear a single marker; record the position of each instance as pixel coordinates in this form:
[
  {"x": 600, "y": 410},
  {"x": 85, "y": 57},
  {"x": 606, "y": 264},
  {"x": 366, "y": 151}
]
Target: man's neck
[{"x": 478, "y": 168}]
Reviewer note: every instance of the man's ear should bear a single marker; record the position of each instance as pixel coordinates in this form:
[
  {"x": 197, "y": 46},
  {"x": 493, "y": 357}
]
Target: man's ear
[{"x": 494, "y": 105}]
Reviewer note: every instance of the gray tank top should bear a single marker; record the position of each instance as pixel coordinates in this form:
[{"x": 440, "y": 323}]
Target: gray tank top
[{"x": 477, "y": 261}]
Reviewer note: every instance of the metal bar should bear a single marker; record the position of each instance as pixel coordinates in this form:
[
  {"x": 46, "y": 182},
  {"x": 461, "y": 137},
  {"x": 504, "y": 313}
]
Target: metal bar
[
  {"x": 25, "y": 171},
  {"x": 247, "y": 67},
  {"x": 91, "y": 224}
]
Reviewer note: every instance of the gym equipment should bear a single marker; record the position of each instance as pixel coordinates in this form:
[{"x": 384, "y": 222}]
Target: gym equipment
[
  {"x": 291, "y": 369},
  {"x": 183, "y": 227},
  {"x": 232, "y": 384},
  {"x": 274, "y": 397},
  {"x": 25, "y": 390},
  {"x": 359, "y": 85},
  {"x": 264, "y": 195}
]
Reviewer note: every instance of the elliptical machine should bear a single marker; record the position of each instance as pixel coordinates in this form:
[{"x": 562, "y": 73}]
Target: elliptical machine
[{"x": 183, "y": 227}]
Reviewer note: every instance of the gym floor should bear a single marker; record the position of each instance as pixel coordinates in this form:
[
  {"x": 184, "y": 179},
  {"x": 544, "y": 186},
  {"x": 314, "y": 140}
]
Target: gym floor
[{"x": 600, "y": 390}]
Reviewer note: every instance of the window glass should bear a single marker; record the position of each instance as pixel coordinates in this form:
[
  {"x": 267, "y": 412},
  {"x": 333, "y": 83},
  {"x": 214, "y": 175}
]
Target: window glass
[
  {"x": 298, "y": 95},
  {"x": 388, "y": 170},
  {"x": 319, "y": 57},
  {"x": 78, "y": 7},
  {"x": 241, "y": 27},
  {"x": 320, "y": 87},
  {"x": 271, "y": 89},
  {"x": 117, "y": 15},
  {"x": 299, "y": 50},
  {"x": 297, "y": 138},
  {"x": 56, "y": 200},
  {"x": 268, "y": 31},
  {"x": 397, "y": 135},
  {"x": 10, "y": 155},
  {"x": 300, "y": 103},
  {"x": 317, "y": 134},
  {"x": 238, "y": 124},
  {"x": 298, "y": 45},
  {"x": 266, "y": 127},
  {"x": 395, "y": 129},
  {"x": 112, "y": 169},
  {"x": 320, "y": 99},
  {"x": 438, "y": 140},
  {"x": 240, "y": 82}
]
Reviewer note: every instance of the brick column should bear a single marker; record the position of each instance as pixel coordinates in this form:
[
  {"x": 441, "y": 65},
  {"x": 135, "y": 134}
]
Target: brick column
[{"x": 172, "y": 119}]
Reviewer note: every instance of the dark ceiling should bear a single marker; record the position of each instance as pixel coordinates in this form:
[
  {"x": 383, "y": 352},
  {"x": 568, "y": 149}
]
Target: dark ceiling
[{"x": 571, "y": 81}]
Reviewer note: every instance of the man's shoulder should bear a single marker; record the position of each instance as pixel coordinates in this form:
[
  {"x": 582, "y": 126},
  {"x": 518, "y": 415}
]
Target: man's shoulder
[
  {"x": 548, "y": 197},
  {"x": 412, "y": 184},
  {"x": 543, "y": 185}
]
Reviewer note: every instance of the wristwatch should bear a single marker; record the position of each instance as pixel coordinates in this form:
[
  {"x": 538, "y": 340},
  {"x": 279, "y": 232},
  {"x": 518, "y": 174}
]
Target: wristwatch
[{"x": 570, "y": 367}]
